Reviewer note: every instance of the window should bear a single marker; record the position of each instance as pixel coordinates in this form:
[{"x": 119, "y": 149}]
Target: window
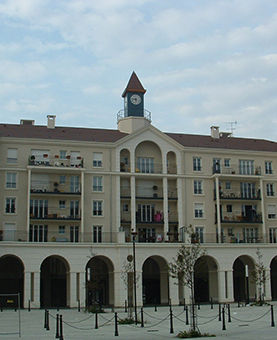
[
  {"x": 228, "y": 185},
  {"x": 197, "y": 164},
  {"x": 62, "y": 230},
  {"x": 248, "y": 190},
  {"x": 62, "y": 179},
  {"x": 230, "y": 232},
  {"x": 216, "y": 165},
  {"x": 62, "y": 154},
  {"x": 125, "y": 160},
  {"x": 38, "y": 208},
  {"x": 74, "y": 234},
  {"x": 227, "y": 163},
  {"x": 10, "y": 205},
  {"x": 97, "y": 183},
  {"x": 12, "y": 156},
  {"x": 246, "y": 167},
  {"x": 199, "y": 231},
  {"x": 273, "y": 235},
  {"x": 198, "y": 189},
  {"x": 38, "y": 233},
  {"x": 97, "y": 159},
  {"x": 74, "y": 209},
  {"x": 145, "y": 213},
  {"x": 198, "y": 210},
  {"x": 97, "y": 208},
  {"x": 145, "y": 165},
  {"x": 75, "y": 184},
  {"x": 268, "y": 168},
  {"x": 125, "y": 207},
  {"x": 9, "y": 232},
  {"x": 11, "y": 180},
  {"x": 62, "y": 204},
  {"x": 271, "y": 211},
  {"x": 229, "y": 208},
  {"x": 250, "y": 235},
  {"x": 270, "y": 190},
  {"x": 97, "y": 234}
]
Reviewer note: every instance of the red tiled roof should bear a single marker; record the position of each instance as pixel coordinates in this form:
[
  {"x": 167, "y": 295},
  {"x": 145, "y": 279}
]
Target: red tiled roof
[
  {"x": 112, "y": 136},
  {"x": 224, "y": 142}
]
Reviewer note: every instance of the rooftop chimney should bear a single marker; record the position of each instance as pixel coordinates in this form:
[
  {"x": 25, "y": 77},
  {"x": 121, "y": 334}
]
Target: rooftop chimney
[
  {"x": 51, "y": 122},
  {"x": 27, "y": 122},
  {"x": 215, "y": 131}
]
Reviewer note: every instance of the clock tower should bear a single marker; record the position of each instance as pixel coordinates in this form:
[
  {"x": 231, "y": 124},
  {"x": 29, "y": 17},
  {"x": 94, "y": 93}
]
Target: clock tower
[{"x": 133, "y": 98}]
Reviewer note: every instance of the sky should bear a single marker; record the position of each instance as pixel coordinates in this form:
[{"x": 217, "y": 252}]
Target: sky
[{"x": 203, "y": 63}]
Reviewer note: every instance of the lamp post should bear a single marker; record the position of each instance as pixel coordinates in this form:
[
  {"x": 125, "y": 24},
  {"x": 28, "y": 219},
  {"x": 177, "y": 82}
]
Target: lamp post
[{"x": 134, "y": 234}]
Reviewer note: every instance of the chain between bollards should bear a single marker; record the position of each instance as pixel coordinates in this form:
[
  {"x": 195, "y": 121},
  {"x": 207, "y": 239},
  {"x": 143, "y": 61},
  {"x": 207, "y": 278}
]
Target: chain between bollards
[{"x": 116, "y": 325}]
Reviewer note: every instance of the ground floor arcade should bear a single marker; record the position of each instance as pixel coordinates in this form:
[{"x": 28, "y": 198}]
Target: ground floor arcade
[{"x": 51, "y": 276}]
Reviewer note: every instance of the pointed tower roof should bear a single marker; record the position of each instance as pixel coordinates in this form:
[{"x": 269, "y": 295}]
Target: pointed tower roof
[{"x": 134, "y": 85}]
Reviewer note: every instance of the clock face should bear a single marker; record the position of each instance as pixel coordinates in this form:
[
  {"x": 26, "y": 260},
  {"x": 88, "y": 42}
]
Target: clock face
[{"x": 135, "y": 99}]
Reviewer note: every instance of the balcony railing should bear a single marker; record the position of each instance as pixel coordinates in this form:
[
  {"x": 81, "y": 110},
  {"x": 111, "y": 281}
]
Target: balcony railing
[
  {"x": 123, "y": 114},
  {"x": 237, "y": 170},
  {"x": 237, "y": 194},
  {"x": 50, "y": 161},
  {"x": 156, "y": 218},
  {"x": 239, "y": 217},
  {"x": 148, "y": 192},
  {"x": 56, "y": 214},
  {"x": 54, "y": 187}
]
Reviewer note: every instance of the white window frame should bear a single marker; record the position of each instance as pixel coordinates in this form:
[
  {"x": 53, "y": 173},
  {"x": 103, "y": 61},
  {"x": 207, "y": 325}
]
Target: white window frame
[
  {"x": 12, "y": 155},
  {"x": 246, "y": 167},
  {"x": 10, "y": 205},
  {"x": 97, "y": 208},
  {"x": 146, "y": 165},
  {"x": 11, "y": 180},
  {"x": 199, "y": 231},
  {"x": 199, "y": 210},
  {"x": 97, "y": 183},
  {"x": 9, "y": 231},
  {"x": 97, "y": 235},
  {"x": 270, "y": 189},
  {"x": 268, "y": 167},
  {"x": 61, "y": 229},
  {"x": 38, "y": 233},
  {"x": 198, "y": 187},
  {"x": 97, "y": 161},
  {"x": 62, "y": 204},
  {"x": 197, "y": 164},
  {"x": 271, "y": 211}
]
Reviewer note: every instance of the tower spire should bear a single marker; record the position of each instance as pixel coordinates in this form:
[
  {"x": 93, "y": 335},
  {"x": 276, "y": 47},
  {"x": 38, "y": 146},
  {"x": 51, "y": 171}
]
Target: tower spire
[{"x": 134, "y": 85}]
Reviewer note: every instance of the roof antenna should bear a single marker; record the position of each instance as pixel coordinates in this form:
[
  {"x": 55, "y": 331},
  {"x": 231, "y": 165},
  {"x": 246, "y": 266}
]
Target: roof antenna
[{"x": 232, "y": 127}]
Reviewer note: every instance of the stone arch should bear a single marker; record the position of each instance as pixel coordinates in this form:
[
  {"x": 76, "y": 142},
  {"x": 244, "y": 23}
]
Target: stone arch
[
  {"x": 11, "y": 279},
  {"x": 171, "y": 162},
  {"x": 145, "y": 162},
  {"x": 54, "y": 282},
  {"x": 273, "y": 278},
  {"x": 125, "y": 160},
  {"x": 100, "y": 281},
  {"x": 206, "y": 279},
  {"x": 155, "y": 281},
  {"x": 244, "y": 287}
]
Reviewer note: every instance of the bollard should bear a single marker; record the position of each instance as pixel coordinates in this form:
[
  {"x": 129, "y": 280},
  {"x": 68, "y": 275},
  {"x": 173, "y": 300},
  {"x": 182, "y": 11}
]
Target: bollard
[
  {"x": 198, "y": 303},
  {"x": 219, "y": 311},
  {"x": 116, "y": 325},
  {"x": 187, "y": 316},
  {"x": 45, "y": 318},
  {"x": 57, "y": 326},
  {"x": 48, "y": 324},
  {"x": 272, "y": 317},
  {"x": 212, "y": 306},
  {"x": 125, "y": 306},
  {"x": 29, "y": 305},
  {"x": 96, "y": 320},
  {"x": 229, "y": 314},
  {"x": 141, "y": 313},
  {"x": 61, "y": 327},
  {"x": 58, "y": 305},
  {"x": 170, "y": 304},
  {"x": 184, "y": 304},
  {"x": 79, "y": 306},
  {"x": 171, "y": 322},
  {"x": 155, "y": 305},
  {"x": 223, "y": 320}
]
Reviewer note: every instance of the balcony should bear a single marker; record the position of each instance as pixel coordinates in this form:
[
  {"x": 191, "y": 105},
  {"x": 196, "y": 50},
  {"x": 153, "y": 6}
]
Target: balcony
[
  {"x": 123, "y": 114},
  {"x": 55, "y": 217},
  {"x": 154, "y": 218},
  {"x": 234, "y": 194},
  {"x": 49, "y": 161},
  {"x": 151, "y": 192},
  {"x": 237, "y": 170},
  {"x": 54, "y": 187},
  {"x": 239, "y": 217}
]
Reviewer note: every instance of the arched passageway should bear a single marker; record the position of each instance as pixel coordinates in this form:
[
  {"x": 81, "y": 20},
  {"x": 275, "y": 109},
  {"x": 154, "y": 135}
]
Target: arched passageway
[
  {"x": 273, "y": 278},
  {"x": 205, "y": 279},
  {"x": 53, "y": 282},
  {"x": 99, "y": 281},
  {"x": 11, "y": 280},
  {"x": 155, "y": 281},
  {"x": 244, "y": 287}
]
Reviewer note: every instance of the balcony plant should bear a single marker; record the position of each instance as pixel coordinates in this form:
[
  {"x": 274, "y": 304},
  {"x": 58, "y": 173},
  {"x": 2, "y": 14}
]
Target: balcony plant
[{"x": 45, "y": 155}]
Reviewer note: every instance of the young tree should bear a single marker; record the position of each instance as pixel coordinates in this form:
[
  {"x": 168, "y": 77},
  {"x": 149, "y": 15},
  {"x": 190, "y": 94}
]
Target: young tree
[
  {"x": 259, "y": 275},
  {"x": 183, "y": 266}
]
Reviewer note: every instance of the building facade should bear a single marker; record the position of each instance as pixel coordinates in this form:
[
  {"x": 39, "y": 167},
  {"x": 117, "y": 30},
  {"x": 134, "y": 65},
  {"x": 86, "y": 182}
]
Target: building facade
[{"x": 73, "y": 199}]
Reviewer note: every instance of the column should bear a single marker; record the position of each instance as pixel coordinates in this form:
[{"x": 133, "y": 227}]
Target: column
[
  {"x": 36, "y": 300},
  {"x": 120, "y": 290},
  {"x": 27, "y": 289},
  {"x": 165, "y": 208},
  {"x": 73, "y": 286},
  {"x": 173, "y": 289},
  {"x": 218, "y": 209},
  {"x": 81, "y": 286},
  {"x": 267, "y": 285},
  {"x": 225, "y": 286},
  {"x": 133, "y": 203}
]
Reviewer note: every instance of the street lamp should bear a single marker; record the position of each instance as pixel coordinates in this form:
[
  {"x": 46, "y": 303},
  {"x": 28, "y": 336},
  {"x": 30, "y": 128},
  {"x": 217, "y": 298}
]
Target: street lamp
[{"x": 134, "y": 234}]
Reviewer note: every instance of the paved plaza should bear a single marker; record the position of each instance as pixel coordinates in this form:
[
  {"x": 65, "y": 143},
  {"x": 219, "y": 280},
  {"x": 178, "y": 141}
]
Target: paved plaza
[{"x": 246, "y": 323}]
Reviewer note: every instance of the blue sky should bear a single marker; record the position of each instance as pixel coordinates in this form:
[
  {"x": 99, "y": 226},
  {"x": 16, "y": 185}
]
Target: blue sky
[{"x": 203, "y": 62}]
